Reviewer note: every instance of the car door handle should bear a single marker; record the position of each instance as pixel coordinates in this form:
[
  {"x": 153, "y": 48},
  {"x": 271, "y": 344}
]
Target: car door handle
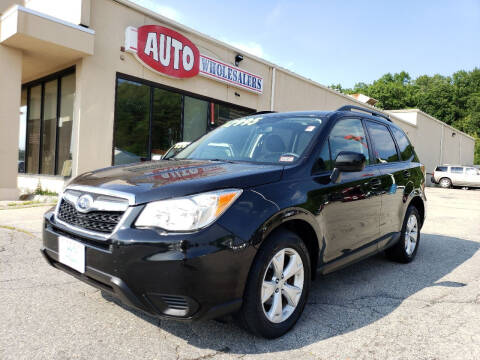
[{"x": 406, "y": 174}]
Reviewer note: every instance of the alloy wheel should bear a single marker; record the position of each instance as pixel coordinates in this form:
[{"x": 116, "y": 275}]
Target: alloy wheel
[
  {"x": 282, "y": 285},
  {"x": 411, "y": 235},
  {"x": 445, "y": 183}
]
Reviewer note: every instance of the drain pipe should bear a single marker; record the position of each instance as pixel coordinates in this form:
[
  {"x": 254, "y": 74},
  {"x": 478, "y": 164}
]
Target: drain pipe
[
  {"x": 441, "y": 145},
  {"x": 272, "y": 99}
]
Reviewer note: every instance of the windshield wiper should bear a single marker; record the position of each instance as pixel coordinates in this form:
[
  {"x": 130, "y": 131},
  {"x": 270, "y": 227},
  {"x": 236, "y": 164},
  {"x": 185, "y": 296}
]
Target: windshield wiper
[{"x": 222, "y": 160}]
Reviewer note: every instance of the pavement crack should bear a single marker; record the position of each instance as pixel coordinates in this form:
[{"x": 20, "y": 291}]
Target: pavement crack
[{"x": 224, "y": 350}]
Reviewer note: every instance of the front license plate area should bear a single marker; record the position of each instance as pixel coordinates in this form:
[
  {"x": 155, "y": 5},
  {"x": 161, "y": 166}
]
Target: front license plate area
[{"x": 71, "y": 253}]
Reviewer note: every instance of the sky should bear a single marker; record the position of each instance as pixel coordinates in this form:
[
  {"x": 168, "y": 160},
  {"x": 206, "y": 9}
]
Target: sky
[{"x": 341, "y": 42}]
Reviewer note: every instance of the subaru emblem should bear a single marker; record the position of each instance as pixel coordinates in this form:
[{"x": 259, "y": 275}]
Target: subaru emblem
[{"x": 84, "y": 203}]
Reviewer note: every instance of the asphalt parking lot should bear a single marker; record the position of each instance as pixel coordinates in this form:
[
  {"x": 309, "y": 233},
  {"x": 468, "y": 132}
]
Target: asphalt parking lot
[{"x": 429, "y": 309}]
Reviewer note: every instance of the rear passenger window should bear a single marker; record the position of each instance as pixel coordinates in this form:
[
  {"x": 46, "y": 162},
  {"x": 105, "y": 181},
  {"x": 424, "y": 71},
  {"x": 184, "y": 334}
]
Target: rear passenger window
[
  {"x": 406, "y": 149},
  {"x": 441, "y": 168},
  {"x": 456, "y": 170},
  {"x": 383, "y": 144}
]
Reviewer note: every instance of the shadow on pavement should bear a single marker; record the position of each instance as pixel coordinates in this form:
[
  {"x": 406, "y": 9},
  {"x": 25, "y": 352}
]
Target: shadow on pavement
[{"x": 339, "y": 302}]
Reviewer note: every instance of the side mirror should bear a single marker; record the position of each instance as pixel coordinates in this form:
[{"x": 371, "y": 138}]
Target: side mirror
[{"x": 347, "y": 161}]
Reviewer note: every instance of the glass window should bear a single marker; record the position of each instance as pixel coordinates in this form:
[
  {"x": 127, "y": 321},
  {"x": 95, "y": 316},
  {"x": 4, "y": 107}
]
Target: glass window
[
  {"x": 324, "y": 162},
  {"x": 150, "y": 120},
  {"x": 166, "y": 120},
  {"x": 223, "y": 113},
  {"x": 406, "y": 149},
  {"x": 132, "y": 123},
  {"x": 257, "y": 139},
  {"x": 441, "y": 168},
  {"x": 385, "y": 150},
  {"x": 49, "y": 127},
  {"x": 348, "y": 135},
  {"x": 456, "y": 170},
  {"x": 471, "y": 171},
  {"x": 65, "y": 125},
  {"x": 33, "y": 129},
  {"x": 45, "y": 141},
  {"x": 195, "y": 112},
  {"x": 22, "y": 137}
]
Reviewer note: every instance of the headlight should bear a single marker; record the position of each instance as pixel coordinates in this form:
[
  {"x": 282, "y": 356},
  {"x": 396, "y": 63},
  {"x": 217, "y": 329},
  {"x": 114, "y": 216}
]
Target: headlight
[{"x": 187, "y": 213}]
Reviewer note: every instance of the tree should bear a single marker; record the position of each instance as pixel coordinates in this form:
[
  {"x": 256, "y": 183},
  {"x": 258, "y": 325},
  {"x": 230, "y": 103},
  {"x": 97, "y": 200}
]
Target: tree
[{"x": 453, "y": 99}]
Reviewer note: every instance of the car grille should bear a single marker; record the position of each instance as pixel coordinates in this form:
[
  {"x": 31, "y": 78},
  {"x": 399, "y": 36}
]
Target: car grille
[{"x": 99, "y": 221}]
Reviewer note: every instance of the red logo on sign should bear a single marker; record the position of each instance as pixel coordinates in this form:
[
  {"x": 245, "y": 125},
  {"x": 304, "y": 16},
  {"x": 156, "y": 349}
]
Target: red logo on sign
[{"x": 167, "y": 51}]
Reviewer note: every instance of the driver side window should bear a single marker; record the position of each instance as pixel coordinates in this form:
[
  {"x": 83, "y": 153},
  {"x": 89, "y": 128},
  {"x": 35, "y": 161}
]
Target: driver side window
[{"x": 346, "y": 135}]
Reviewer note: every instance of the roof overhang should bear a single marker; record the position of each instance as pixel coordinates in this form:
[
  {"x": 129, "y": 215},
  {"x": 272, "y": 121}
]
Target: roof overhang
[{"x": 47, "y": 42}]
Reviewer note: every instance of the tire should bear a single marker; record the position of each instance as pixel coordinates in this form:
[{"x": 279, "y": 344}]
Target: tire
[
  {"x": 259, "y": 317},
  {"x": 445, "y": 183},
  {"x": 402, "y": 251}
]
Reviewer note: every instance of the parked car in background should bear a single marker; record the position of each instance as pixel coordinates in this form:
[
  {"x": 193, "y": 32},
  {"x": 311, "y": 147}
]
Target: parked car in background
[
  {"x": 456, "y": 175},
  {"x": 243, "y": 219}
]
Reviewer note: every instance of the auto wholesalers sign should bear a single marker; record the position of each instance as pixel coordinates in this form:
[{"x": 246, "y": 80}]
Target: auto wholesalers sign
[
  {"x": 168, "y": 52},
  {"x": 233, "y": 75}
]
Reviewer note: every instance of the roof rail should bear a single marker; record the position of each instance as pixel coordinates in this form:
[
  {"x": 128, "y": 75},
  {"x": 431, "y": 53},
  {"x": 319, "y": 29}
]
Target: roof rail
[
  {"x": 263, "y": 112},
  {"x": 353, "y": 107}
]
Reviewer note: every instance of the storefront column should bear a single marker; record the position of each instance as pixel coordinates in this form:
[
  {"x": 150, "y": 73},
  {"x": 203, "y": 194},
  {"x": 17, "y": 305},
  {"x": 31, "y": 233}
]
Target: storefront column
[
  {"x": 93, "y": 117},
  {"x": 10, "y": 94}
]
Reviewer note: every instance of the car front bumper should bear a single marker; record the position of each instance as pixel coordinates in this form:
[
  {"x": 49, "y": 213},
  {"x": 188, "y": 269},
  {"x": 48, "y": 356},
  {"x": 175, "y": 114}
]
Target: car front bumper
[{"x": 184, "y": 276}]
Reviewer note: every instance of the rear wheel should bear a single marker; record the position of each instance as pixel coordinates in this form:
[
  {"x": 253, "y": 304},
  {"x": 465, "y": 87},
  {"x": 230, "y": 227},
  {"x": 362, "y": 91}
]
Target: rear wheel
[
  {"x": 277, "y": 287},
  {"x": 445, "y": 183},
  {"x": 406, "y": 248}
]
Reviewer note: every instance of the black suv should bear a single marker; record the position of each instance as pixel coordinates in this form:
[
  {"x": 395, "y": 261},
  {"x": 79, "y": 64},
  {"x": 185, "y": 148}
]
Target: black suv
[{"x": 243, "y": 219}]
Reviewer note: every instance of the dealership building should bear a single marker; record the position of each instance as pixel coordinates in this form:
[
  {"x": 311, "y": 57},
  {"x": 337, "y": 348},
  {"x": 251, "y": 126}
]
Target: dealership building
[{"x": 87, "y": 84}]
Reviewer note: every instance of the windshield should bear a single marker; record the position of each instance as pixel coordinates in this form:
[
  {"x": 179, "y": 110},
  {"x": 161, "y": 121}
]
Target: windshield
[{"x": 270, "y": 139}]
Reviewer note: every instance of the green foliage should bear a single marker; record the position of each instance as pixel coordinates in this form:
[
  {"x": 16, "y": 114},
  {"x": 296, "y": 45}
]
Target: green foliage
[
  {"x": 40, "y": 191},
  {"x": 453, "y": 99}
]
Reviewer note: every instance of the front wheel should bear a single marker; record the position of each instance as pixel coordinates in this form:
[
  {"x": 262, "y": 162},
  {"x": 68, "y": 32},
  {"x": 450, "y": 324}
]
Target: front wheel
[
  {"x": 406, "y": 248},
  {"x": 277, "y": 286},
  {"x": 445, "y": 183}
]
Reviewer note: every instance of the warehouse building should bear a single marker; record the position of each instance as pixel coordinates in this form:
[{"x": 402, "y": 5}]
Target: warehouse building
[{"x": 106, "y": 82}]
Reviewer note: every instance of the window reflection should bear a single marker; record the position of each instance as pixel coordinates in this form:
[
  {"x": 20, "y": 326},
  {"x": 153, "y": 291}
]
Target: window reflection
[
  {"x": 49, "y": 128},
  {"x": 348, "y": 135},
  {"x": 174, "y": 118},
  {"x": 65, "y": 125},
  {"x": 223, "y": 113},
  {"x": 40, "y": 113},
  {"x": 33, "y": 129},
  {"x": 132, "y": 122},
  {"x": 166, "y": 120},
  {"x": 195, "y": 118},
  {"x": 385, "y": 150},
  {"x": 22, "y": 137}
]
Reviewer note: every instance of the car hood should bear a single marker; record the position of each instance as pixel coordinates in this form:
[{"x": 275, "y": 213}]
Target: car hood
[{"x": 157, "y": 180}]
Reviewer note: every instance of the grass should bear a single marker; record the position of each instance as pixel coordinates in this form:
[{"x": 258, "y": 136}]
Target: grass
[
  {"x": 23, "y": 203},
  {"x": 26, "y": 204},
  {"x": 13, "y": 228},
  {"x": 40, "y": 191}
]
